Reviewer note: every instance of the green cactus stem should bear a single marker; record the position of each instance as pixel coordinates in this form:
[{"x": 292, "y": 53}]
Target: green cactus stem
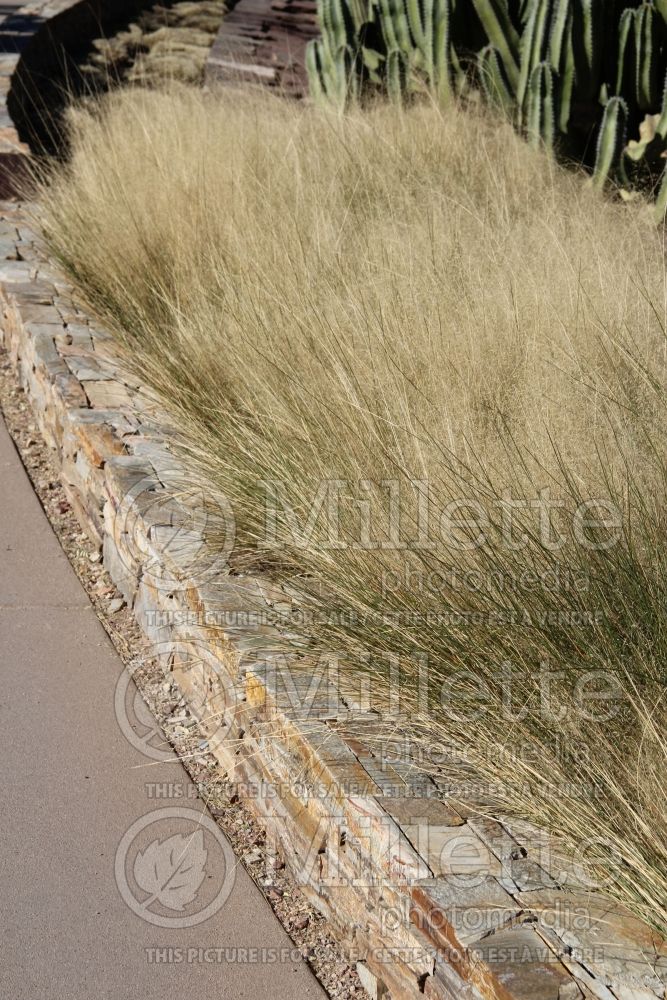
[
  {"x": 540, "y": 123},
  {"x": 611, "y": 139},
  {"x": 646, "y": 56},
  {"x": 501, "y": 33},
  {"x": 494, "y": 82}
]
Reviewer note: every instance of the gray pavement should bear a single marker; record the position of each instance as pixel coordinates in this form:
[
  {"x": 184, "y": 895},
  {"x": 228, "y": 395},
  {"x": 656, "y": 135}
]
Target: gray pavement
[{"x": 104, "y": 890}]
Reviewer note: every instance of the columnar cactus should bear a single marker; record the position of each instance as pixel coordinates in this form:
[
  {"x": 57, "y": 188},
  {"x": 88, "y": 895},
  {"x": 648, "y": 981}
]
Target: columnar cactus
[
  {"x": 611, "y": 138},
  {"x": 496, "y": 21},
  {"x": 534, "y": 45},
  {"x": 576, "y": 75},
  {"x": 493, "y": 79},
  {"x": 588, "y": 39},
  {"x": 647, "y": 44},
  {"x": 541, "y": 120}
]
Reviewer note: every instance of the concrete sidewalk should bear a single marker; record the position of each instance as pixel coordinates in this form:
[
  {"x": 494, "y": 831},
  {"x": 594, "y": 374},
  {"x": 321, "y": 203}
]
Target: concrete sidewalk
[{"x": 104, "y": 892}]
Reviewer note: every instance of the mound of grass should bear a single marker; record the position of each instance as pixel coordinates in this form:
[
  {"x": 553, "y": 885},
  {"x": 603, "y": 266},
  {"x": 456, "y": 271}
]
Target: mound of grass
[{"x": 453, "y": 352}]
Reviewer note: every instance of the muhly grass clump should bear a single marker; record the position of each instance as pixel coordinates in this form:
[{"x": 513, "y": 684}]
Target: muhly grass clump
[{"x": 467, "y": 344}]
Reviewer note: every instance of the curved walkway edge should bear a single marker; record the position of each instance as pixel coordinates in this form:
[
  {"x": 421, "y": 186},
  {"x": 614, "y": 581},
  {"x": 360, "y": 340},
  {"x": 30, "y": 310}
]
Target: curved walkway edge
[{"x": 74, "y": 787}]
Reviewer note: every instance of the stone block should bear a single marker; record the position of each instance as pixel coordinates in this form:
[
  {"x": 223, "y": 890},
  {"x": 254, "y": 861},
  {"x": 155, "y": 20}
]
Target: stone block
[
  {"x": 522, "y": 964},
  {"x": 16, "y": 272},
  {"x": 96, "y": 439},
  {"x": 445, "y": 984},
  {"x": 370, "y": 982},
  {"x": 610, "y": 942},
  {"x": 457, "y": 911},
  {"x": 521, "y": 871},
  {"x": 70, "y": 391},
  {"x": 107, "y": 395}
]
